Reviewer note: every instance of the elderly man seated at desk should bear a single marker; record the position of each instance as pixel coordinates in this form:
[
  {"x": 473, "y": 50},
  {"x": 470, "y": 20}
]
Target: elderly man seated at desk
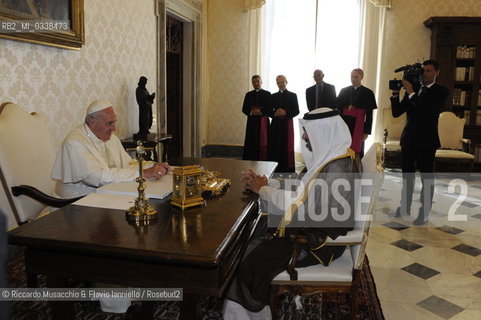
[
  {"x": 328, "y": 159},
  {"x": 92, "y": 156}
]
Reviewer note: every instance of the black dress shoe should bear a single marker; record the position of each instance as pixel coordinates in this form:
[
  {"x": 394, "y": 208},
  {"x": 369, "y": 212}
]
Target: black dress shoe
[
  {"x": 399, "y": 212},
  {"x": 422, "y": 218}
]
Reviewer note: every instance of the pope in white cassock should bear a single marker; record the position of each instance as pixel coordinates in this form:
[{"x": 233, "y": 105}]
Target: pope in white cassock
[
  {"x": 329, "y": 160},
  {"x": 92, "y": 156}
]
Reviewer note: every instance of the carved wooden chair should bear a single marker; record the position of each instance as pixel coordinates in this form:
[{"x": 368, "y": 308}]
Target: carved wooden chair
[
  {"x": 343, "y": 274},
  {"x": 26, "y": 161},
  {"x": 454, "y": 148},
  {"x": 393, "y": 128}
]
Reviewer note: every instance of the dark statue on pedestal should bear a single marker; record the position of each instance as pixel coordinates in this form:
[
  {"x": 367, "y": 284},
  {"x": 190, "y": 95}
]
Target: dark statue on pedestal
[{"x": 145, "y": 101}]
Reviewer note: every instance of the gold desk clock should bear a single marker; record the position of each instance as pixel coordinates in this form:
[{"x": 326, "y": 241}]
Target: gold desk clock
[
  {"x": 141, "y": 211},
  {"x": 187, "y": 189}
]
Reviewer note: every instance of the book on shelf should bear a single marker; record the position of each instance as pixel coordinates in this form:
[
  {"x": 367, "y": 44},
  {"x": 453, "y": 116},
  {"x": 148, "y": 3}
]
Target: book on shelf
[
  {"x": 460, "y": 97},
  {"x": 479, "y": 98},
  {"x": 478, "y": 117},
  {"x": 465, "y": 52},
  {"x": 471, "y": 74},
  {"x": 464, "y": 74},
  {"x": 460, "y": 73}
]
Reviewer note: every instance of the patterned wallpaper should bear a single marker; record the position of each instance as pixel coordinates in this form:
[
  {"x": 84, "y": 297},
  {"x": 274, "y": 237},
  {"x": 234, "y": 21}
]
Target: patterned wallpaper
[
  {"x": 227, "y": 65},
  {"x": 119, "y": 47},
  {"x": 407, "y": 40}
]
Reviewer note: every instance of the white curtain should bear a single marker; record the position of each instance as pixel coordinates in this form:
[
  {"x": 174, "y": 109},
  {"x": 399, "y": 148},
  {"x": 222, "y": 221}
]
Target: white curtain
[
  {"x": 303, "y": 35},
  {"x": 254, "y": 45},
  {"x": 372, "y": 44}
]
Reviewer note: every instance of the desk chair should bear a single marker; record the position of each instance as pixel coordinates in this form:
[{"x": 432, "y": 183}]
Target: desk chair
[
  {"x": 26, "y": 161},
  {"x": 343, "y": 274},
  {"x": 393, "y": 128},
  {"x": 454, "y": 148}
]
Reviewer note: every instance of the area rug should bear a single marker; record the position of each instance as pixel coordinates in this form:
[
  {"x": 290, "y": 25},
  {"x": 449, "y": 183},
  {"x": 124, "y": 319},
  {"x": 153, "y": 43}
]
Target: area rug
[{"x": 336, "y": 306}]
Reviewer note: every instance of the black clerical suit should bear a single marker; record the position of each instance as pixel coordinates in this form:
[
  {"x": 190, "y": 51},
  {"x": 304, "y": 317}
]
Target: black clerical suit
[
  {"x": 281, "y": 131},
  {"x": 361, "y": 98},
  {"x": 327, "y": 96},
  {"x": 419, "y": 141},
  {"x": 255, "y": 142}
]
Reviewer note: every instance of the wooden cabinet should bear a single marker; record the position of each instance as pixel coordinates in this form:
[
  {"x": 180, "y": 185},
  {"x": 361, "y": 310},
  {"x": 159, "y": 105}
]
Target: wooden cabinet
[{"x": 456, "y": 45}]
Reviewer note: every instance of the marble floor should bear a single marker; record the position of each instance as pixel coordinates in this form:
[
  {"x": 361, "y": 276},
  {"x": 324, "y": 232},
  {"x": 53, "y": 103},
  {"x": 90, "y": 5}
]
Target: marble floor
[{"x": 431, "y": 271}]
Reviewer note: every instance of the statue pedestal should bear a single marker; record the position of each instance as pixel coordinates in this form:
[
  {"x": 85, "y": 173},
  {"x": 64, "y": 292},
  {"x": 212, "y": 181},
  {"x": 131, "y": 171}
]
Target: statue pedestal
[
  {"x": 151, "y": 141},
  {"x": 144, "y": 137}
]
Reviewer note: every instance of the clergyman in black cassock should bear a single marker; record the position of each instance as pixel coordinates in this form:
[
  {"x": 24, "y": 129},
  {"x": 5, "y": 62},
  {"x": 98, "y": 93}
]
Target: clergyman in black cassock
[
  {"x": 256, "y": 108},
  {"x": 283, "y": 108},
  {"x": 356, "y": 103},
  {"x": 322, "y": 94}
]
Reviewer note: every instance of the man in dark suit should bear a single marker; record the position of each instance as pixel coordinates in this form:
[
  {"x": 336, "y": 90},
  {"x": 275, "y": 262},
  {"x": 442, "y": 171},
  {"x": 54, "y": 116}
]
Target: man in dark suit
[
  {"x": 283, "y": 107},
  {"x": 321, "y": 94},
  {"x": 420, "y": 138}
]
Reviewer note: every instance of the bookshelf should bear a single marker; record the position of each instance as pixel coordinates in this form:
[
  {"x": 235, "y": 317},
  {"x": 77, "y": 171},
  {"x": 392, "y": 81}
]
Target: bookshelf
[{"x": 456, "y": 45}]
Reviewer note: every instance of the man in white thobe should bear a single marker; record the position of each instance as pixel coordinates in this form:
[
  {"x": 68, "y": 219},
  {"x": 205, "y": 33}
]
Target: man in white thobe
[
  {"x": 328, "y": 158},
  {"x": 92, "y": 156}
]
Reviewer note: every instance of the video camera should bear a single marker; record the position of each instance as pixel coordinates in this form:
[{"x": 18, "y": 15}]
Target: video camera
[{"x": 412, "y": 73}]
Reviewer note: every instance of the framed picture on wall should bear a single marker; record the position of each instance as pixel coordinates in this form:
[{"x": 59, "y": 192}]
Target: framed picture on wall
[{"x": 58, "y": 23}]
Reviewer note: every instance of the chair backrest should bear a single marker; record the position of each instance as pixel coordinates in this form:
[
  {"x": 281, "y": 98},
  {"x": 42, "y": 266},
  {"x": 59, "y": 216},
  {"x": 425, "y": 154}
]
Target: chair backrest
[
  {"x": 372, "y": 179},
  {"x": 450, "y": 129},
  {"x": 394, "y": 126},
  {"x": 26, "y": 157}
]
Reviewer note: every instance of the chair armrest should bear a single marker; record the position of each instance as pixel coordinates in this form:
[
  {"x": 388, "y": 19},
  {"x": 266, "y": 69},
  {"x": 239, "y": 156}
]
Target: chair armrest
[
  {"x": 38, "y": 195},
  {"x": 466, "y": 145}
]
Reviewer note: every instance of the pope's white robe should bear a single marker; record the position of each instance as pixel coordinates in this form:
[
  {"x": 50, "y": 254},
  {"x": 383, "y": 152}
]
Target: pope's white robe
[{"x": 84, "y": 163}]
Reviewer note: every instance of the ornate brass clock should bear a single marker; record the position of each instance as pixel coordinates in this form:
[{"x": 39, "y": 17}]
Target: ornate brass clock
[{"x": 187, "y": 189}]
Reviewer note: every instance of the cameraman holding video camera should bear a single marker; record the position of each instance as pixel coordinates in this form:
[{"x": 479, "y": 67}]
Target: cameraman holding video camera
[{"x": 419, "y": 139}]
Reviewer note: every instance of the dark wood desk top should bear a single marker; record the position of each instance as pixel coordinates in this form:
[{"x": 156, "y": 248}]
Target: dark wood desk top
[{"x": 195, "y": 237}]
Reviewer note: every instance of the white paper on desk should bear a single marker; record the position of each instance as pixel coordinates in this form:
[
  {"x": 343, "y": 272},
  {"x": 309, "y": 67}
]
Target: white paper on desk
[
  {"x": 155, "y": 189},
  {"x": 107, "y": 201}
]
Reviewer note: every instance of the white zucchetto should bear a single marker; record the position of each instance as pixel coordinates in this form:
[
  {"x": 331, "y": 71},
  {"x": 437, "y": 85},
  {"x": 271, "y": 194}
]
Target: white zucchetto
[{"x": 98, "y": 105}]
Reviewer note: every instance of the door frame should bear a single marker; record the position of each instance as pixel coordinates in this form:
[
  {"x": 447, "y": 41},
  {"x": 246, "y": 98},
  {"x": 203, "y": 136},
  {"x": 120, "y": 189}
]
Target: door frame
[{"x": 191, "y": 16}]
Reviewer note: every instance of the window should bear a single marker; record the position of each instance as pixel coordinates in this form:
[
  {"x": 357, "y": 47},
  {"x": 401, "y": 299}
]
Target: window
[{"x": 303, "y": 35}]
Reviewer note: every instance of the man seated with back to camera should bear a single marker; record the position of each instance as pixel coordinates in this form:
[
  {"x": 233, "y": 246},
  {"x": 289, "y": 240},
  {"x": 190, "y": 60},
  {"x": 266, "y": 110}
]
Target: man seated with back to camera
[
  {"x": 92, "y": 156},
  {"x": 329, "y": 160}
]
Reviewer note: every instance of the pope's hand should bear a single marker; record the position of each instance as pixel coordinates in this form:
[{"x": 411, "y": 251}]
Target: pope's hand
[{"x": 158, "y": 170}]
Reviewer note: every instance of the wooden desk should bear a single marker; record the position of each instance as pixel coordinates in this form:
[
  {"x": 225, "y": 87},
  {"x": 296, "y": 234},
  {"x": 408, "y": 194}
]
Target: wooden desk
[
  {"x": 151, "y": 142},
  {"x": 197, "y": 250}
]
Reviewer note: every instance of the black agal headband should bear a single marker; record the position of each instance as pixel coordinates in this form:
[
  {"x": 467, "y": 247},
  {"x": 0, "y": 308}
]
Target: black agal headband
[{"x": 320, "y": 115}]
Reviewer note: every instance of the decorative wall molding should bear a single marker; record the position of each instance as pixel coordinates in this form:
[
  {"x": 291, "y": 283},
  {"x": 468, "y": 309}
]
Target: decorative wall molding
[
  {"x": 381, "y": 3},
  {"x": 190, "y": 13},
  {"x": 253, "y": 4}
]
